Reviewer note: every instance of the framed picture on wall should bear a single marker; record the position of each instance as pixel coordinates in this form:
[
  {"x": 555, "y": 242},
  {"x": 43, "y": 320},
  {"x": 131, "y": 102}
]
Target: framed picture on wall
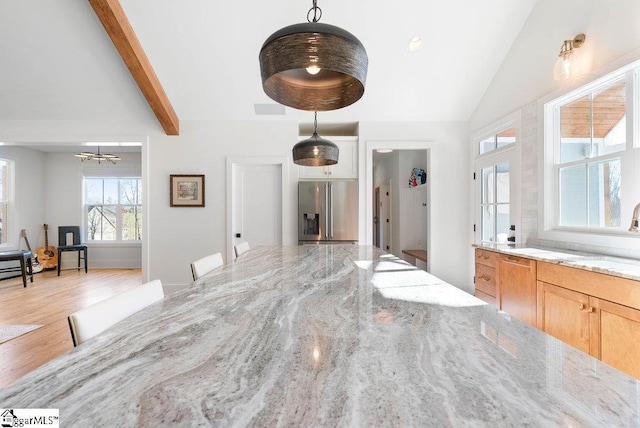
[{"x": 187, "y": 190}]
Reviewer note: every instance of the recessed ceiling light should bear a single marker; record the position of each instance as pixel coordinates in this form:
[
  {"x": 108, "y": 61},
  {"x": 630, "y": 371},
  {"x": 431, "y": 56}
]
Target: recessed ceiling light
[
  {"x": 415, "y": 44},
  {"x": 384, "y": 150}
]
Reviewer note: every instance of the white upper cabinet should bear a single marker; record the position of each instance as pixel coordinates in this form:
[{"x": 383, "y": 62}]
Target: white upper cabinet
[{"x": 346, "y": 168}]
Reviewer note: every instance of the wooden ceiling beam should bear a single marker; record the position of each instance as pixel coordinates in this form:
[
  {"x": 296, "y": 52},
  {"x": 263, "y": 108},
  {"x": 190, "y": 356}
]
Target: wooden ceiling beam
[{"x": 119, "y": 29}]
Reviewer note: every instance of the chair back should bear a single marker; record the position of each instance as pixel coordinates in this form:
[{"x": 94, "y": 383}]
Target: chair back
[
  {"x": 93, "y": 320},
  {"x": 241, "y": 248},
  {"x": 203, "y": 266},
  {"x": 62, "y": 235}
]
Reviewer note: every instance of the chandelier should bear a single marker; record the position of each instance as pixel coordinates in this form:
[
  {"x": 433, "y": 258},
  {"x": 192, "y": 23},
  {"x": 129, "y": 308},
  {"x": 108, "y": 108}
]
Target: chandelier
[{"x": 100, "y": 157}]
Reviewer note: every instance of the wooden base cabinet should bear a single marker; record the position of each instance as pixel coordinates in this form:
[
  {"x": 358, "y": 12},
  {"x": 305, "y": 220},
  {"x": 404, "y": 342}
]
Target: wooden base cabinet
[
  {"x": 564, "y": 314},
  {"x": 485, "y": 278},
  {"x": 517, "y": 287},
  {"x": 616, "y": 330},
  {"x": 609, "y": 331}
]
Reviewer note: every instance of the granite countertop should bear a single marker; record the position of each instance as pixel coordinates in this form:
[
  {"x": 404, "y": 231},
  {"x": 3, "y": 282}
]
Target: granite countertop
[
  {"x": 616, "y": 266},
  {"x": 328, "y": 335}
]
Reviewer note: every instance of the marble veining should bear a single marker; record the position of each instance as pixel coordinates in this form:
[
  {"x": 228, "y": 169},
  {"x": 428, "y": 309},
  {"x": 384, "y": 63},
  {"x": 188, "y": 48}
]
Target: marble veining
[
  {"x": 616, "y": 266},
  {"x": 329, "y": 335}
]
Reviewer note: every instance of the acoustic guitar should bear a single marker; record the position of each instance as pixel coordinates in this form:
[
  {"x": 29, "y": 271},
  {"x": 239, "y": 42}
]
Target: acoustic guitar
[
  {"x": 35, "y": 265},
  {"x": 47, "y": 255}
]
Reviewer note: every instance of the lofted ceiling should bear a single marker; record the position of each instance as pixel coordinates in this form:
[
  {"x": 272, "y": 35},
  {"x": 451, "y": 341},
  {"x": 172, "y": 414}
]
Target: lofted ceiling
[{"x": 61, "y": 65}]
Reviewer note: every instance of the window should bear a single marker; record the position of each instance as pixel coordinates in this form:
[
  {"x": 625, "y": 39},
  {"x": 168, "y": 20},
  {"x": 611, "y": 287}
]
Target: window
[
  {"x": 592, "y": 134},
  {"x": 495, "y": 161},
  {"x": 6, "y": 192},
  {"x": 498, "y": 141},
  {"x": 591, "y": 175},
  {"x": 495, "y": 203},
  {"x": 113, "y": 208}
]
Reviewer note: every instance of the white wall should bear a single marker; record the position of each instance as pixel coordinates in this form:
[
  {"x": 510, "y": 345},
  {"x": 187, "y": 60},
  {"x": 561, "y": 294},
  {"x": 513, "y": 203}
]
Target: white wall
[
  {"x": 413, "y": 215},
  {"x": 525, "y": 81},
  {"x": 526, "y": 74},
  {"x": 49, "y": 190},
  {"x": 176, "y": 236},
  {"x": 180, "y": 235},
  {"x": 63, "y": 207},
  {"x": 30, "y": 191}
]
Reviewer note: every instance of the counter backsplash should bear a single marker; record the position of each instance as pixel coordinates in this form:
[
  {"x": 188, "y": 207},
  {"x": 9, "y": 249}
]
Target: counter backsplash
[{"x": 595, "y": 249}]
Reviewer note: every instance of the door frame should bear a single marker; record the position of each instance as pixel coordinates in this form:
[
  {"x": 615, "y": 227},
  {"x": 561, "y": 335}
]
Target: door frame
[{"x": 231, "y": 163}]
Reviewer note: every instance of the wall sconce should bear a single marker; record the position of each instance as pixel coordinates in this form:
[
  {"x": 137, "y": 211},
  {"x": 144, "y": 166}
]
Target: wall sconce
[{"x": 568, "y": 65}]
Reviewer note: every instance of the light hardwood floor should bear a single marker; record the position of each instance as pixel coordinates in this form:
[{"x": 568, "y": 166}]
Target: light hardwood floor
[{"x": 49, "y": 300}]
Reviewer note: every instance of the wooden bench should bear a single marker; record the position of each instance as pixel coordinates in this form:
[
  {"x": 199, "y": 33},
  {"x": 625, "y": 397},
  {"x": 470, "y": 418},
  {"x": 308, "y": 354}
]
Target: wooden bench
[
  {"x": 416, "y": 255},
  {"x": 24, "y": 257}
]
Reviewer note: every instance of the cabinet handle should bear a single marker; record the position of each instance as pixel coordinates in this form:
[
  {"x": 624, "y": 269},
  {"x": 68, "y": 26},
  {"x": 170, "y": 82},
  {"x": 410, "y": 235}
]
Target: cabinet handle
[
  {"x": 590, "y": 309},
  {"x": 582, "y": 306},
  {"x": 485, "y": 277}
]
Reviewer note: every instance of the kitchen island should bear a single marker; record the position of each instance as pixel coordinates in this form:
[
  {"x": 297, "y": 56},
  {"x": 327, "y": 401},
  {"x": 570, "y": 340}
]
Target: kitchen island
[{"x": 327, "y": 335}]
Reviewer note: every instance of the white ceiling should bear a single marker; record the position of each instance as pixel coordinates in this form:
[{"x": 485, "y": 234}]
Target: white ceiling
[{"x": 59, "y": 64}]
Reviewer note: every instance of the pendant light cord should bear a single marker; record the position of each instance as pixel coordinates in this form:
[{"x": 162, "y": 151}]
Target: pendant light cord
[
  {"x": 315, "y": 122},
  {"x": 317, "y": 12}
]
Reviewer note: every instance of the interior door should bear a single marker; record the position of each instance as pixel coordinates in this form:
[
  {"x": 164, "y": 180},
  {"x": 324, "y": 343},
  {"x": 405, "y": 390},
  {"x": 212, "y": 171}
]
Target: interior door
[{"x": 257, "y": 204}]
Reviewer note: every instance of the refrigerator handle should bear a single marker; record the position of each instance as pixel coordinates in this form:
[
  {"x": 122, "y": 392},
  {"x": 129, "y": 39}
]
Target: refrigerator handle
[
  {"x": 331, "y": 192},
  {"x": 326, "y": 210}
]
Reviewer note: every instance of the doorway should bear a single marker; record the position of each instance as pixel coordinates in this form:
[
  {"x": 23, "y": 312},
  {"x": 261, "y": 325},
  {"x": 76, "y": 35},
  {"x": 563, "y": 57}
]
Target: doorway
[{"x": 409, "y": 207}]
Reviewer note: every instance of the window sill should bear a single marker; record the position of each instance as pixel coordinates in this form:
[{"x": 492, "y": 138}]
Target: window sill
[{"x": 114, "y": 243}]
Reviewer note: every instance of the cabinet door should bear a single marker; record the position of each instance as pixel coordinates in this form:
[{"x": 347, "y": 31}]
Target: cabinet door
[
  {"x": 347, "y": 166},
  {"x": 564, "y": 314},
  {"x": 517, "y": 288},
  {"x": 314, "y": 172},
  {"x": 615, "y": 335}
]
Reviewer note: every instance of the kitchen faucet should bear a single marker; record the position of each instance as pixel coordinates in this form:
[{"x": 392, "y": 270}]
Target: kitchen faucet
[{"x": 635, "y": 219}]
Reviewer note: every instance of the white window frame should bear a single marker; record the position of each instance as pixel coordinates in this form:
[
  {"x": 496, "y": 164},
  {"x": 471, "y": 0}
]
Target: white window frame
[
  {"x": 118, "y": 208},
  {"x": 511, "y": 154},
  {"x": 549, "y": 199}
]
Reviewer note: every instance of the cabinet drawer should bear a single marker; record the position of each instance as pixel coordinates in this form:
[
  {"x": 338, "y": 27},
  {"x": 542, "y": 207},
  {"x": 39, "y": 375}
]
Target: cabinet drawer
[
  {"x": 485, "y": 297},
  {"x": 486, "y": 279},
  {"x": 520, "y": 261},
  {"x": 488, "y": 258},
  {"x": 619, "y": 290}
]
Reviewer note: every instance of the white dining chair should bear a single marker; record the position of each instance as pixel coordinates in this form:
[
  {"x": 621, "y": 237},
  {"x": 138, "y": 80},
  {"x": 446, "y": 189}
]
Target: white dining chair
[
  {"x": 93, "y": 320},
  {"x": 241, "y": 248},
  {"x": 203, "y": 266}
]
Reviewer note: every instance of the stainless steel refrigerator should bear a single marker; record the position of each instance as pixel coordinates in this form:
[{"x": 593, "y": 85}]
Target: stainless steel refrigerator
[{"x": 327, "y": 211}]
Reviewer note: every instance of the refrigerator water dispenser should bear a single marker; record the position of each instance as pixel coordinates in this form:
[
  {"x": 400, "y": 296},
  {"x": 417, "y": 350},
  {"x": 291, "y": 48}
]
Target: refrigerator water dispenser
[{"x": 311, "y": 224}]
